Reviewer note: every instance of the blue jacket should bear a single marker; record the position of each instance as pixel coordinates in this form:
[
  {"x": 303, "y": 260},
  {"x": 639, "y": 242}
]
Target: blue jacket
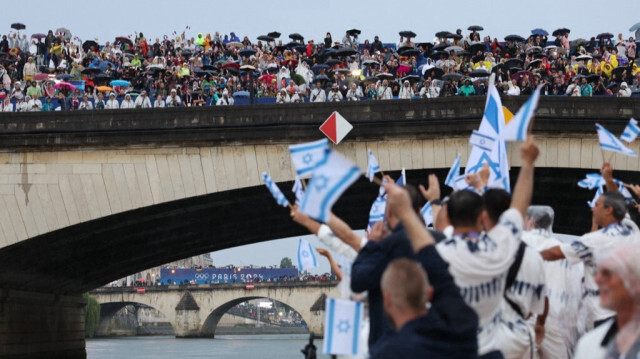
[{"x": 448, "y": 330}]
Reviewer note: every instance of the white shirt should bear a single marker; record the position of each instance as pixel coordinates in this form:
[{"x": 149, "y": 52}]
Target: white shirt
[
  {"x": 280, "y": 98},
  {"x": 142, "y": 102},
  {"x": 589, "y": 346},
  {"x": 159, "y": 104},
  {"x": 127, "y": 104},
  {"x": 112, "y": 104},
  {"x": 406, "y": 92},
  {"x": 225, "y": 101},
  {"x": 85, "y": 105},
  {"x": 318, "y": 95},
  {"x": 173, "y": 101},
  {"x": 595, "y": 244},
  {"x": 7, "y": 107},
  {"x": 479, "y": 268},
  {"x": 334, "y": 96},
  {"x": 34, "y": 105},
  {"x": 384, "y": 92}
]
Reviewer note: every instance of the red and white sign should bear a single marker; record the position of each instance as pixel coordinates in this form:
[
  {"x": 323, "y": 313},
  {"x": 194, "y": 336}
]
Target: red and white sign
[
  {"x": 141, "y": 290},
  {"x": 249, "y": 286},
  {"x": 336, "y": 127}
]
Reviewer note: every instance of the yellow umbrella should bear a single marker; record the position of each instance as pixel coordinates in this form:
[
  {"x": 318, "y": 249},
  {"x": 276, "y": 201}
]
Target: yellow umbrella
[{"x": 103, "y": 88}]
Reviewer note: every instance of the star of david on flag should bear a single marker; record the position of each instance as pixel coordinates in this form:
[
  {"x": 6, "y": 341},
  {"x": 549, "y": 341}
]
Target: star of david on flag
[
  {"x": 306, "y": 256},
  {"x": 342, "y": 326},
  {"x": 306, "y": 156}
]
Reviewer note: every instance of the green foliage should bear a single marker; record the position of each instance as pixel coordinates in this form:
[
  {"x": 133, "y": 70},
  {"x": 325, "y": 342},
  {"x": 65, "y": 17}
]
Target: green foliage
[
  {"x": 91, "y": 315},
  {"x": 286, "y": 263}
]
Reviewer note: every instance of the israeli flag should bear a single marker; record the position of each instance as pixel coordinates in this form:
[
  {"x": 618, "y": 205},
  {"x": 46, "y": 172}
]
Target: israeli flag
[
  {"x": 599, "y": 192},
  {"x": 402, "y": 181},
  {"x": 298, "y": 189},
  {"x": 454, "y": 173},
  {"x": 459, "y": 183},
  {"x": 306, "y": 156},
  {"x": 516, "y": 129},
  {"x": 376, "y": 214},
  {"x": 342, "y": 326},
  {"x": 331, "y": 178},
  {"x": 306, "y": 256},
  {"x": 482, "y": 141},
  {"x": 591, "y": 181},
  {"x": 275, "y": 190},
  {"x": 609, "y": 142},
  {"x": 631, "y": 131},
  {"x": 381, "y": 190},
  {"x": 372, "y": 167},
  {"x": 492, "y": 125},
  {"x": 427, "y": 214}
]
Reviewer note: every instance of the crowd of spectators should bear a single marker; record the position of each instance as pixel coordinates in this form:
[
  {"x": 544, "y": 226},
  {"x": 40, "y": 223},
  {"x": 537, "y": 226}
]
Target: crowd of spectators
[{"x": 59, "y": 72}]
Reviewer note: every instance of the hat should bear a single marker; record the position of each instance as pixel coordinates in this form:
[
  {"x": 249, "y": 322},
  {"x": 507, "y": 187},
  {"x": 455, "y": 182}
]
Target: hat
[
  {"x": 335, "y": 86},
  {"x": 112, "y": 94},
  {"x": 173, "y": 90}
]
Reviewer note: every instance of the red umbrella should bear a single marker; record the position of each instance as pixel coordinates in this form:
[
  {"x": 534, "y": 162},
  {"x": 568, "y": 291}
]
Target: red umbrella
[
  {"x": 64, "y": 86},
  {"x": 403, "y": 69},
  {"x": 266, "y": 78},
  {"x": 40, "y": 77},
  {"x": 231, "y": 64}
]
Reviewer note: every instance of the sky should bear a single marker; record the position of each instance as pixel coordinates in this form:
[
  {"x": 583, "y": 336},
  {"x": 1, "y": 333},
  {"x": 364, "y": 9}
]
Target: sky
[{"x": 313, "y": 19}]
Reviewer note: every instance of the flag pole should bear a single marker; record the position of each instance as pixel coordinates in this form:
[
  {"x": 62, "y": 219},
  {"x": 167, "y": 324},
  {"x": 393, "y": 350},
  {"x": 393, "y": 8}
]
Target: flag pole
[
  {"x": 611, "y": 157},
  {"x": 603, "y": 155},
  {"x": 304, "y": 184},
  {"x": 377, "y": 181}
]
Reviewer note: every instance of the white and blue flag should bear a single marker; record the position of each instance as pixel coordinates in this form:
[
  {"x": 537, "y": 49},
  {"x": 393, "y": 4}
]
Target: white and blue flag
[
  {"x": 492, "y": 125},
  {"x": 372, "y": 166},
  {"x": 482, "y": 141},
  {"x": 376, "y": 214},
  {"x": 516, "y": 129},
  {"x": 342, "y": 326},
  {"x": 631, "y": 131},
  {"x": 306, "y": 256},
  {"x": 427, "y": 214},
  {"x": 275, "y": 190},
  {"x": 331, "y": 178},
  {"x": 306, "y": 156},
  {"x": 454, "y": 173},
  {"x": 298, "y": 189},
  {"x": 402, "y": 181},
  {"x": 591, "y": 181},
  {"x": 610, "y": 142},
  {"x": 599, "y": 192}
]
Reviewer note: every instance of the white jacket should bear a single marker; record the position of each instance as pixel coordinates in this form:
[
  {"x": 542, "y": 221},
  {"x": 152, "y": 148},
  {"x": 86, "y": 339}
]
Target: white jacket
[
  {"x": 142, "y": 102},
  {"x": 334, "y": 96},
  {"x": 406, "y": 92},
  {"x": 85, "y": 105},
  {"x": 112, "y": 104},
  {"x": 127, "y": 104},
  {"x": 318, "y": 95},
  {"x": 34, "y": 105}
]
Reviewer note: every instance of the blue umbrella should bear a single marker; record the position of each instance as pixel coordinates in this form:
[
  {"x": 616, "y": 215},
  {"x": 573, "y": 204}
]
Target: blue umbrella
[
  {"x": 319, "y": 67},
  {"x": 64, "y": 77},
  {"x": 241, "y": 94},
  {"x": 120, "y": 83},
  {"x": 541, "y": 32},
  {"x": 103, "y": 65}
]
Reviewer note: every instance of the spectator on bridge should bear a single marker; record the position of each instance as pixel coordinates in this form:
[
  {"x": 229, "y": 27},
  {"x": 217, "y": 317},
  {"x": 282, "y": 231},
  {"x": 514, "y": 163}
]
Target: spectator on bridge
[
  {"x": 159, "y": 103},
  {"x": 7, "y": 106},
  {"x": 112, "y": 103},
  {"x": 406, "y": 92},
  {"x": 318, "y": 94},
  {"x": 173, "y": 100},
  {"x": 384, "y": 91},
  {"x": 225, "y": 100},
  {"x": 127, "y": 103},
  {"x": 85, "y": 104},
  {"x": 334, "y": 95},
  {"x": 142, "y": 101},
  {"x": 282, "y": 96},
  {"x": 33, "y": 104},
  {"x": 624, "y": 91},
  {"x": 21, "y": 105}
]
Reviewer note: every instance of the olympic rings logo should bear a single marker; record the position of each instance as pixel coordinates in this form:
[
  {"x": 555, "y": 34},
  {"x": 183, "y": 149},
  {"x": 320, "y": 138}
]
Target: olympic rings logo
[{"x": 201, "y": 276}]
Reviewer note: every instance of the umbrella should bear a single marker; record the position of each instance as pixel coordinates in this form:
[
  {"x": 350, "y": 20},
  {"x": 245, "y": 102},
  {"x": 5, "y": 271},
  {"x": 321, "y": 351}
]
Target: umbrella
[
  {"x": 635, "y": 27},
  {"x": 456, "y": 49},
  {"x": 208, "y": 67},
  {"x": 272, "y": 69},
  {"x": 103, "y": 77},
  {"x": 232, "y": 70},
  {"x": 454, "y": 36},
  {"x": 300, "y": 48},
  {"x": 612, "y": 85},
  {"x": 18, "y": 26},
  {"x": 246, "y": 52},
  {"x": 475, "y": 28},
  {"x": 442, "y": 34},
  {"x": 316, "y": 68},
  {"x": 521, "y": 74},
  {"x": 329, "y": 51},
  {"x": 618, "y": 72},
  {"x": 200, "y": 72},
  {"x": 561, "y": 32},
  {"x": 298, "y": 79},
  {"x": 341, "y": 71},
  {"x": 479, "y": 73},
  {"x": 425, "y": 45},
  {"x": 237, "y": 45},
  {"x": 370, "y": 79},
  {"x": 353, "y": 32},
  {"x": 296, "y": 36},
  {"x": 38, "y": 36},
  {"x": 583, "y": 57},
  {"x": 293, "y": 44},
  {"x": 411, "y": 78},
  {"x": 371, "y": 63},
  {"x": 66, "y": 34},
  {"x": 440, "y": 47},
  {"x": 87, "y": 45},
  {"x": 453, "y": 76},
  {"x": 247, "y": 67},
  {"x": 64, "y": 77},
  {"x": 540, "y": 32},
  {"x": 384, "y": 76},
  {"x": 90, "y": 70},
  {"x": 604, "y": 35},
  {"x": 514, "y": 63},
  {"x": 230, "y": 64},
  {"x": 409, "y": 52},
  {"x": 64, "y": 86},
  {"x": 346, "y": 51},
  {"x": 438, "y": 54},
  {"x": 593, "y": 77},
  {"x": 120, "y": 83},
  {"x": 266, "y": 78},
  {"x": 320, "y": 78},
  {"x": 515, "y": 38},
  {"x": 333, "y": 62},
  {"x": 477, "y": 47},
  {"x": 103, "y": 88},
  {"x": 40, "y": 77},
  {"x": 241, "y": 94},
  {"x": 274, "y": 34},
  {"x": 534, "y": 49},
  {"x": 535, "y": 62},
  {"x": 407, "y": 33},
  {"x": 103, "y": 65},
  {"x": 265, "y": 38}
]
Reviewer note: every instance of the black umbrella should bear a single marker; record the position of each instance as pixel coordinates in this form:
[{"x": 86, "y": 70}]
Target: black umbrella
[
  {"x": 103, "y": 77},
  {"x": 91, "y": 70},
  {"x": 411, "y": 78},
  {"x": 296, "y": 36},
  {"x": 333, "y": 62},
  {"x": 329, "y": 51},
  {"x": 593, "y": 77},
  {"x": 514, "y": 63},
  {"x": 425, "y": 45},
  {"x": 371, "y": 63},
  {"x": 479, "y": 73},
  {"x": 516, "y": 38},
  {"x": 434, "y": 73},
  {"x": 320, "y": 78},
  {"x": 292, "y": 44},
  {"x": 618, "y": 72},
  {"x": 454, "y": 36},
  {"x": 385, "y": 76},
  {"x": 604, "y": 35},
  {"x": 274, "y": 34},
  {"x": 407, "y": 33},
  {"x": 87, "y": 45},
  {"x": 300, "y": 48},
  {"x": 453, "y": 76},
  {"x": 475, "y": 28},
  {"x": 246, "y": 52},
  {"x": 442, "y": 34},
  {"x": 353, "y": 32},
  {"x": 561, "y": 32},
  {"x": 318, "y": 67},
  {"x": 535, "y": 62},
  {"x": 438, "y": 54},
  {"x": 346, "y": 51},
  {"x": 409, "y": 52},
  {"x": 265, "y": 38},
  {"x": 477, "y": 47},
  {"x": 208, "y": 67},
  {"x": 18, "y": 26},
  {"x": 498, "y": 67},
  {"x": 440, "y": 47}
]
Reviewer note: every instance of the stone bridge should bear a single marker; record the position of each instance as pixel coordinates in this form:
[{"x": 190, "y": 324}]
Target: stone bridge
[
  {"x": 195, "y": 311},
  {"x": 90, "y": 197}
]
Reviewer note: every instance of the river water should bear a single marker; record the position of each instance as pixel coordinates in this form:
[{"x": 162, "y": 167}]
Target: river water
[{"x": 281, "y": 346}]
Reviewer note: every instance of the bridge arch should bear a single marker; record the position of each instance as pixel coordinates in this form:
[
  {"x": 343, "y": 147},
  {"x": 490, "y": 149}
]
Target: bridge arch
[{"x": 108, "y": 310}]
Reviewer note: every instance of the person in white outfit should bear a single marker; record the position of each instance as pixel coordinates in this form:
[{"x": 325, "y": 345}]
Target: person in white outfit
[
  {"x": 354, "y": 93},
  {"x": 406, "y": 92},
  {"x": 318, "y": 94},
  {"x": 112, "y": 103},
  {"x": 21, "y": 105},
  {"x": 85, "y": 104},
  {"x": 7, "y": 106},
  {"x": 225, "y": 100},
  {"x": 624, "y": 91},
  {"x": 33, "y": 104},
  {"x": 384, "y": 92},
  {"x": 159, "y": 103},
  {"x": 127, "y": 103},
  {"x": 334, "y": 95},
  {"x": 143, "y": 101},
  {"x": 282, "y": 97}
]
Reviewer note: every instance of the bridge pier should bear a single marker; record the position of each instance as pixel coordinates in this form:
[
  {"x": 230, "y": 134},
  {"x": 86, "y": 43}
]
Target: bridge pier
[
  {"x": 187, "y": 320},
  {"x": 41, "y": 325}
]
